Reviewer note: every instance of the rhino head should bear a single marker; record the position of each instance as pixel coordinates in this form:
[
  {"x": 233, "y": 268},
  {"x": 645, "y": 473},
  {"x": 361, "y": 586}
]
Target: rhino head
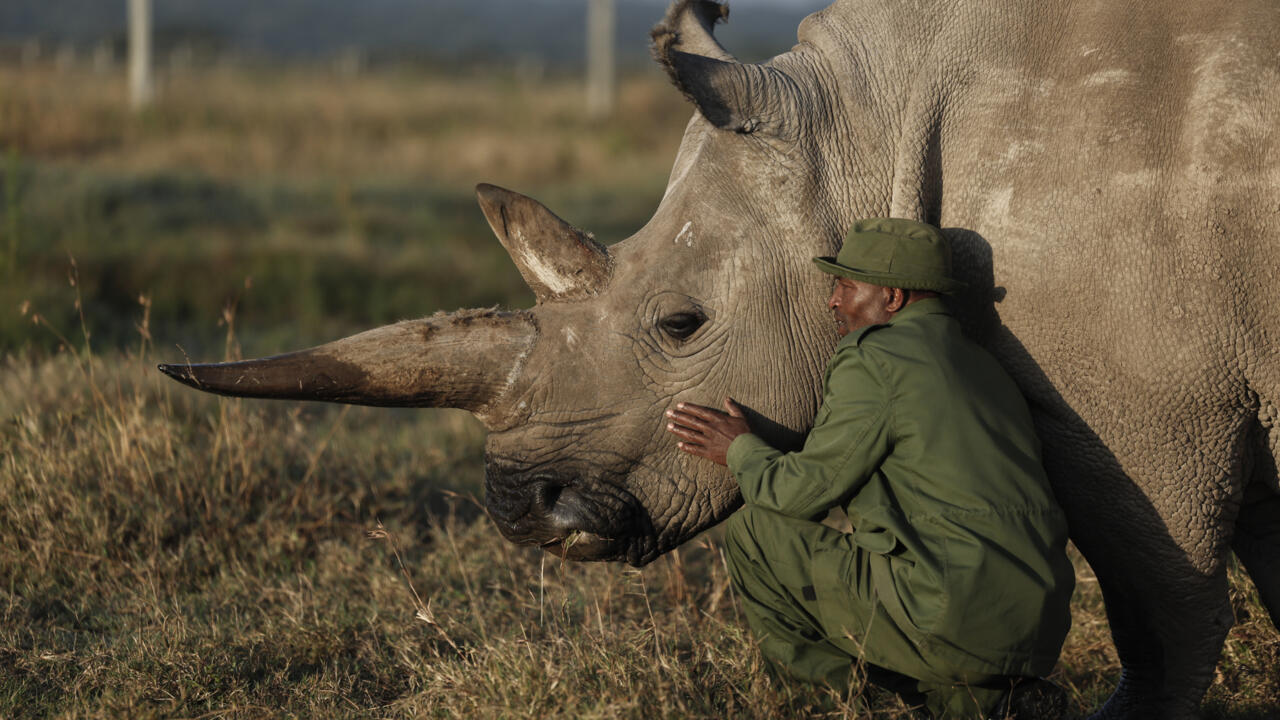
[{"x": 715, "y": 295}]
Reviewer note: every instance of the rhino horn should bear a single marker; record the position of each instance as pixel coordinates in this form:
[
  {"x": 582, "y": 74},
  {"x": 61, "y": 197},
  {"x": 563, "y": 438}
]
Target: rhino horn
[
  {"x": 736, "y": 96},
  {"x": 467, "y": 359},
  {"x": 556, "y": 260}
]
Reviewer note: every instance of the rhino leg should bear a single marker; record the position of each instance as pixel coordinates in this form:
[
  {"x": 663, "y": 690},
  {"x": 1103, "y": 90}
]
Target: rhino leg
[
  {"x": 1168, "y": 646},
  {"x": 1158, "y": 544},
  {"x": 1257, "y": 537}
]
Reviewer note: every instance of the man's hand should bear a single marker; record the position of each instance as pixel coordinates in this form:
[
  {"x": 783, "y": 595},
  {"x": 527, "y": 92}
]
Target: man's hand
[{"x": 707, "y": 432}]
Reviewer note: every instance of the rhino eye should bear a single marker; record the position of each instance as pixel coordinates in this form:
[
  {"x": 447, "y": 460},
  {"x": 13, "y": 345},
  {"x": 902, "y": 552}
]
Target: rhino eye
[{"x": 682, "y": 325}]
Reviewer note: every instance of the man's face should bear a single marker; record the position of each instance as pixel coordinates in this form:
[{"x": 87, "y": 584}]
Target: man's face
[{"x": 857, "y": 304}]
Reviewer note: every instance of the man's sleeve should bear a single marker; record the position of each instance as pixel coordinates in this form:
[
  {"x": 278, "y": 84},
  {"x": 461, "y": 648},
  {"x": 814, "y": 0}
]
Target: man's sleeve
[{"x": 848, "y": 440}]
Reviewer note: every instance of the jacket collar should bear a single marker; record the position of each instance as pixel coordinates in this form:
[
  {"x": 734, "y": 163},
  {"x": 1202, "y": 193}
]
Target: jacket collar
[
  {"x": 919, "y": 308},
  {"x": 927, "y": 306}
]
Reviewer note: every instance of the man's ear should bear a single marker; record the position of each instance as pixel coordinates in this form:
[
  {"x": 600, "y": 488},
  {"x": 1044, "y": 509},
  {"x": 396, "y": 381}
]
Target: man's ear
[{"x": 894, "y": 299}]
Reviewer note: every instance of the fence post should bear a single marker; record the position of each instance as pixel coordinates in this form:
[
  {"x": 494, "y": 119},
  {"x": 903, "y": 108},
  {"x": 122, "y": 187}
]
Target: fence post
[
  {"x": 141, "y": 89},
  {"x": 600, "y": 62}
]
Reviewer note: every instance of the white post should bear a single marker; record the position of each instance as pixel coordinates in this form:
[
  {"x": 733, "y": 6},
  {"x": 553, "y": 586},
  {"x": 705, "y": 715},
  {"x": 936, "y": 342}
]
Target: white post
[
  {"x": 141, "y": 90},
  {"x": 600, "y": 64}
]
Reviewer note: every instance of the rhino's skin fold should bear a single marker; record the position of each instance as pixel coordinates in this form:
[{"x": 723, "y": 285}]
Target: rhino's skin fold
[{"x": 1109, "y": 173}]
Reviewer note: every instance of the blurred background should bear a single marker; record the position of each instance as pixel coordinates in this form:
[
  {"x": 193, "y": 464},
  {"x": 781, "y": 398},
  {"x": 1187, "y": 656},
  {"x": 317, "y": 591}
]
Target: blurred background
[{"x": 309, "y": 164}]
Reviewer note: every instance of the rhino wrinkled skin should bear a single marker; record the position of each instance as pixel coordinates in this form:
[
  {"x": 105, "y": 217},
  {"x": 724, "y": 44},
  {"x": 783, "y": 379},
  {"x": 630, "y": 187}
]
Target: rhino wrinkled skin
[{"x": 1110, "y": 178}]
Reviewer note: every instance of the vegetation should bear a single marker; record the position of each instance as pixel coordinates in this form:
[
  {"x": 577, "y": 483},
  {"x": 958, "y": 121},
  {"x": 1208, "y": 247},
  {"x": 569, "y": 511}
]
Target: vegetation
[
  {"x": 318, "y": 205},
  {"x": 169, "y": 554}
]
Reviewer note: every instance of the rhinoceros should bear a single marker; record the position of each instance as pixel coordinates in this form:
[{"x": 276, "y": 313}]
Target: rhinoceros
[{"x": 1109, "y": 175}]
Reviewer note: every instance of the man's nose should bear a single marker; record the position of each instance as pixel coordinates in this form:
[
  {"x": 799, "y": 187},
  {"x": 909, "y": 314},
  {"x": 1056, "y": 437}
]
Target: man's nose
[{"x": 833, "y": 302}]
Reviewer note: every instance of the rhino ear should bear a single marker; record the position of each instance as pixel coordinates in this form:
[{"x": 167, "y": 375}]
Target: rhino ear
[
  {"x": 691, "y": 25},
  {"x": 735, "y": 96},
  {"x": 556, "y": 260}
]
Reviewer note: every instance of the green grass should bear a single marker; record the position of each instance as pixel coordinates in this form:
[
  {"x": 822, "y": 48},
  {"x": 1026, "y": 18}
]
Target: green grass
[
  {"x": 304, "y": 261},
  {"x": 288, "y": 257},
  {"x": 316, "y": 206}
]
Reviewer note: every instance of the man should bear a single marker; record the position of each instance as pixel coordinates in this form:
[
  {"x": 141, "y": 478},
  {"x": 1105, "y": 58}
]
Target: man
[{"x": 954, "y": 584}]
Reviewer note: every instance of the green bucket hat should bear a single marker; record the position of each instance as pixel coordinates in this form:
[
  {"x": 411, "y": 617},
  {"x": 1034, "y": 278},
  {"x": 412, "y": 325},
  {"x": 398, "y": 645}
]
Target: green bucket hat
[{"x": 895, "y": 253}]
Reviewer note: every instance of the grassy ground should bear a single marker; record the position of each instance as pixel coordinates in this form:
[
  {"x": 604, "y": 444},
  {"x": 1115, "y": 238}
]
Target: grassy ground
[
  {"x": 316, "y": 204},
  {"x": 169, "y": 554}
]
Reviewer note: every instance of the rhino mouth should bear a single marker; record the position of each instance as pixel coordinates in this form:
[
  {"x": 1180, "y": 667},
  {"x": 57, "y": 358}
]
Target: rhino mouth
[
  {"x": 565, "y": 513},
  {"x": 579, "y": 545}
]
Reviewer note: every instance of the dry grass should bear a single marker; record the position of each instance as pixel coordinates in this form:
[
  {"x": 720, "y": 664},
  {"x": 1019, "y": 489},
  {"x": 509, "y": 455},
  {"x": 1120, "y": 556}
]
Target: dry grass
[{"x": 167, "y": 554}]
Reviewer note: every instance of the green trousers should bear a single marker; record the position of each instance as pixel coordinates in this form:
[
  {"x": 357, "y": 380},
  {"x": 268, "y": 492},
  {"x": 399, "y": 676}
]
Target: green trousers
[{"x": 808, "y": 596}]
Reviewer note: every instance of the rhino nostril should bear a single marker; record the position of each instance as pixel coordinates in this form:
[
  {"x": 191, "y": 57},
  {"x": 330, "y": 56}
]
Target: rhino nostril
[
  {"x": 541, "y": 507},
  {"x": 546, "y": 494}
]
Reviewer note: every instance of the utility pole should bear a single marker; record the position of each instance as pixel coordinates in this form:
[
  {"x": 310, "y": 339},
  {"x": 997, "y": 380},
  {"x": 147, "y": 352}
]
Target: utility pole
[
  {"x": 600, "y": 63},
  {"x": 141, "y": 89}
]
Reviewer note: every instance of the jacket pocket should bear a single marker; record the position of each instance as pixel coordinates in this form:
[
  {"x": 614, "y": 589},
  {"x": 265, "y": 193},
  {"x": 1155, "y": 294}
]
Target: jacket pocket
[
  {"x": 879, "y": 540},
  {"x": 886, "y": 584}
]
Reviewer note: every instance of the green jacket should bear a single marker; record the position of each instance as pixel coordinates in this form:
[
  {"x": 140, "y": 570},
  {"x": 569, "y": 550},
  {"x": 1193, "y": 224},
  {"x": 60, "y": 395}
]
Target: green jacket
[{"x": 928, "y": 446}]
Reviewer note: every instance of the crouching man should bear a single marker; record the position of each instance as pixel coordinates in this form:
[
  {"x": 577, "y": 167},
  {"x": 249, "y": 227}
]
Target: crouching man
[{"x": 953, "y": 587}]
